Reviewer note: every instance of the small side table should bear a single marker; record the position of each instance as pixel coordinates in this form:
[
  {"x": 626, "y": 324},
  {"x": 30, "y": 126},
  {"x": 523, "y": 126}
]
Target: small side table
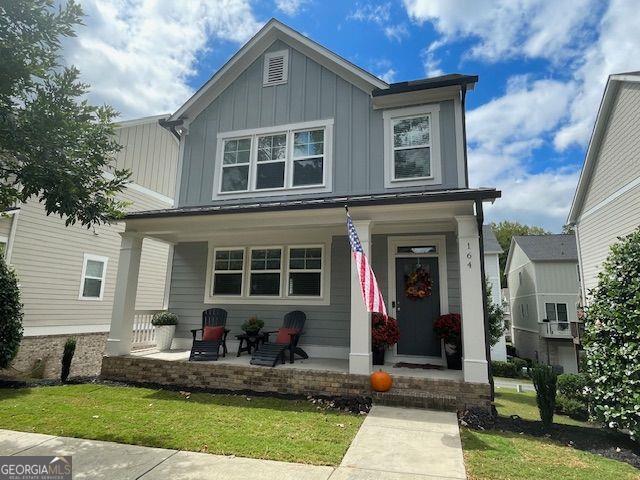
[{"x": 250, "y": 342}]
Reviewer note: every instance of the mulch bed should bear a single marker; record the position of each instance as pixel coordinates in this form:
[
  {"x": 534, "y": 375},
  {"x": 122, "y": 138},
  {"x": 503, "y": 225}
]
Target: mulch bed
[{"x": 607, "y": 443}]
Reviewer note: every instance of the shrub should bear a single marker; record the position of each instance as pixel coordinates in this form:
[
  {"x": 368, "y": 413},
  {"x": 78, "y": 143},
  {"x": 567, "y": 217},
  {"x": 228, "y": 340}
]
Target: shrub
[
  {"x": 545, "y": 381},
  {"x": 67, "y": 357},
  {"x": 572, "y": 408},
  {"x": 611, "y": 339},
  {"x": 510, "y": 369},
  {"x": 572, "y": 385},
  {"x": 495, "y": 314},
  {"x": 10, "y": 315},
  {"x": 384, "y": 331},
  {"x": 253, "y": 325},
  {"x": 164, "y": 318},
  {"x": 520, "y": 364},
  {"x": 448, "y": 327}
]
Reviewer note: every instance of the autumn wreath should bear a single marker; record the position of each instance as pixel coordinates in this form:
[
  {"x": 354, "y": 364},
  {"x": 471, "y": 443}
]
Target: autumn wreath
[{"x": 418, "y": 284}]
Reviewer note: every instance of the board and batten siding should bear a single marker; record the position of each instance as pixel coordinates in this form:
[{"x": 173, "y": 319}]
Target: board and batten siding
[
  {"x": 521, "y": 279},
  {"x": 327, "y": 325},
  {"x": 312, "y": 92}
]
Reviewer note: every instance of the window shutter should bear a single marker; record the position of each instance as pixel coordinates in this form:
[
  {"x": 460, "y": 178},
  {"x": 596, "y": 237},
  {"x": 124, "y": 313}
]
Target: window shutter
[{"x": 276, "y": 68}]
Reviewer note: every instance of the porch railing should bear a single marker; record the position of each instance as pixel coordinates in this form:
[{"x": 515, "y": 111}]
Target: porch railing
[
  {"x": 144, "y": 335},
  {"x": 555, "y": 329}
]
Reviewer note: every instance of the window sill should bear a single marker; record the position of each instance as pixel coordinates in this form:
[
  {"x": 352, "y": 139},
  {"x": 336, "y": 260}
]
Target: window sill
[{"x": 275, "y": 301}]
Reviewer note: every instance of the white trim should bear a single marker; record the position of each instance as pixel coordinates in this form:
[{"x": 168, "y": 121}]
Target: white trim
[
  {"x": 12, "y": 236},
  {"x": 389, "y": 117},
  {"x": 242, "y": 271},
  {"x": 45, "y": 330},
  {"x": 139, "y": 188},
  {"x": 142, "y": 120},
  {"x": 181, "y": 148},
  {"x": 529, "y": 330},
  {"x": 288, "y": 188},
  {"x": 615, "y": 195},
  {"x": 460, "y": 146},
  {"x": 285, "y": 68},
  {"x": 167, "y": 278},
  {"x": 95, "y": 258},
  {"x": 283, "y": 298},
  {"x": 250, "y": 271},
  {"x": 440, "y": 242},
  {"x": 4, "y": 240}
]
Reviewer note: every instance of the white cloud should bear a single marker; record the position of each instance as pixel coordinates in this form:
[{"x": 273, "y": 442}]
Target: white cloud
[
  {"x": 430, "y": 61},
  {"x": 383, "y": 68},
  {"x": 290, "y": 7},
  {"x": 368, "y": 12},
  {"x": 137, "y": 55},
  {"x": 389, "y": 76},
  {"x": 396, "y": 32}
]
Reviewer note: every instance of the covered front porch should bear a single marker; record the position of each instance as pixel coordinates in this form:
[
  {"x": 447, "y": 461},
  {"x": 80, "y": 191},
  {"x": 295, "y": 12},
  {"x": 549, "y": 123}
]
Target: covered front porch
[{"x": 267, "y": 260}]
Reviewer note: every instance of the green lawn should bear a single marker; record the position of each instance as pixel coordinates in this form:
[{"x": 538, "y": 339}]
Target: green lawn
[
  {"x": 494, "y": 455},
  {"x": 257, "y": 427}
]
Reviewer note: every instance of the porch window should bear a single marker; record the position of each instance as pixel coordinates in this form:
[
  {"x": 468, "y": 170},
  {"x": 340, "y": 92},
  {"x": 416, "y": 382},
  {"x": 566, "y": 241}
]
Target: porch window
[
  {"x": 227, "y": 272},
  {"x": 556, "y": 312},
  {"x": 94, "y": 271},
  {"x": 411, "y": 148},
  {"x": 271, "y": 162},
  {"x": 308, "y": 155},
  {"x": 305, "y": 272},
  {"x": 235, "y": 165},
  {"x": 265, "y": 272}
]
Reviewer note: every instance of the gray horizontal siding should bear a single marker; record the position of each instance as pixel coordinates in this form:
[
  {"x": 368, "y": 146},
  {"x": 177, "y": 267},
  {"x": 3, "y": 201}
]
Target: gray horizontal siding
[{"x": 311, "y": 93}]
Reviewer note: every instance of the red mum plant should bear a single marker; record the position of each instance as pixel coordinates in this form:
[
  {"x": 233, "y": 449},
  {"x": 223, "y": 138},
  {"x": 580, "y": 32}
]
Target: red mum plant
[
  {"x": 448, "y": 327},
  {"x": 384, "y": 331}
]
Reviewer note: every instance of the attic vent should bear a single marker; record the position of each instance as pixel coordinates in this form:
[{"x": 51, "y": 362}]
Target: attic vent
[{"x": 276, "y": 68}]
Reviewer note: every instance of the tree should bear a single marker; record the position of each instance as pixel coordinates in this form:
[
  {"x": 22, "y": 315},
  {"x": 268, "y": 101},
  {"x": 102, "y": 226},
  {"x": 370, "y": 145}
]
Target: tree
[
  {"x": 504, "y": 231},
  {"x": 611, "y": 341},
  {"x": 54, "y": 145},
  {"x": 496, "y": 317},
  {"x": 10, "y": 315},
  {"x": 569, "y": 230}
]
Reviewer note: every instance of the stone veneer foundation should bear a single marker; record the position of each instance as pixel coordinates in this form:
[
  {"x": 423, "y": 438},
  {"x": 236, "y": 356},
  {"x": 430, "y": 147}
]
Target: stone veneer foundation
[
  {"x": 406, "y": 391},
  {"x": 90, "y": 348}
]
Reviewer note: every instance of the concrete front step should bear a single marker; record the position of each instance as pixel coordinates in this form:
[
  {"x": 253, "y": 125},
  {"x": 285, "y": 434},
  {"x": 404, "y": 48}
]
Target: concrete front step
[{"x": 415, "y": 399}]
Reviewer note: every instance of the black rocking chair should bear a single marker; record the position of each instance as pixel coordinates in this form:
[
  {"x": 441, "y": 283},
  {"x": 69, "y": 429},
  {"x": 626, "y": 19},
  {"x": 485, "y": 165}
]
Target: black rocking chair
[
  {"x": 270, "y": 352},
  {"x": 208, "y": 350}
]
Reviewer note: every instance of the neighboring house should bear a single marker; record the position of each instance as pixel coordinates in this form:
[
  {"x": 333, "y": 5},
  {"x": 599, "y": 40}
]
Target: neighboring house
[
  {"x": 542, "y": 275},
  {"x": 606, "y": 204},
  {"x": 273, "y": 147},
  {"x": 492, "y": 251},
  {"x": 67, "y": 275}
]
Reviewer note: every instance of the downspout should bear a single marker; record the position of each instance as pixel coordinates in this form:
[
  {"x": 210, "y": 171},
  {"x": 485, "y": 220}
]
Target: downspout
[
  {"x": 464, "y": 132},
  {"x": 485, "y": 307},
  {"x": 171, "y": 126}
]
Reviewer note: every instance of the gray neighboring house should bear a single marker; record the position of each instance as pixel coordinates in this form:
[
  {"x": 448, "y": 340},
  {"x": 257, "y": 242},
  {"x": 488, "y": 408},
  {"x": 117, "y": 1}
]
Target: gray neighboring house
[
  {"x": 67, "y": 275},
  {"x": 492, "y": 251},
  {"x": 544, "y": 293},
  {"x": 606, "y": 204},
  {"x": 272, "y": 147}
]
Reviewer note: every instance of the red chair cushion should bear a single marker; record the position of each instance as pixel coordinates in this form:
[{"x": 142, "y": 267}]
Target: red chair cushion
[
  {"x": 284, "y": 335},
  {"x": 212, "y": 333}
]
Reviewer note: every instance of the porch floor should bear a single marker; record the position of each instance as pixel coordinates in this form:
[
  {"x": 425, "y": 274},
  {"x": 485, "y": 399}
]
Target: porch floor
[{"x": 320, "y": 364}]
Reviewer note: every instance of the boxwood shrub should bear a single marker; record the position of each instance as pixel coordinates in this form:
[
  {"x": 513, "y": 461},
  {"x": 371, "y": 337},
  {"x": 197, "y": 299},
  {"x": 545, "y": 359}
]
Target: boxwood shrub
[
  {"x": 164, "y": 318},
  {"x": 510, "y": 369}
]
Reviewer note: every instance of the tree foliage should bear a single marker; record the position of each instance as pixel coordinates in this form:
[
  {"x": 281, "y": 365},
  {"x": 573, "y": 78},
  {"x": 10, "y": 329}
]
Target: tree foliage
[
  {"x": 10, "y": 315},
  {"x": 504, "y": 231},
  {"x": 496, "y": 317},
  {"x": 612, "y": 338},
  {"x": 54, "y": 145}
]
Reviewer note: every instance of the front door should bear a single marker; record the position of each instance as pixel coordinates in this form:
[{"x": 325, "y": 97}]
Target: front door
[{"x": 417, "y": 306}]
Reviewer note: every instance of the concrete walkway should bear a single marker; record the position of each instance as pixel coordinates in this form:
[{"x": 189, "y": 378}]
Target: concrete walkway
[{"x": 393, "y": 444}]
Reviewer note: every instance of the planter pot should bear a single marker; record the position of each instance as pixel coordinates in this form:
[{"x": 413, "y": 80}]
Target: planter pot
[
  {"x": 164, "y": 336},
  {"x": 378, "y": 356},
  {"x": 453, "y": 351}
]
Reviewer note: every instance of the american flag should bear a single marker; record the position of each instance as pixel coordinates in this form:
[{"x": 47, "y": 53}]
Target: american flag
[{"x": 368, "y": 285}]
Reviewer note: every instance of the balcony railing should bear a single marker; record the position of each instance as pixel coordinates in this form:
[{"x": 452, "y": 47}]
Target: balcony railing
[
  {"x": 555, "y": 329},
  {"x": 144, "y": 335}
]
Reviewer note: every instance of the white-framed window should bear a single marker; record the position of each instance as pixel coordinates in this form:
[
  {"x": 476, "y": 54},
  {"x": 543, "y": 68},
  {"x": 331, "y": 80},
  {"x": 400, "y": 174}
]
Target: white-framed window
[
  {"x": 3, "y": 245},
  {"x": 94, "y": 272},
  {"x": 272, "y": 159},
  {"x": 412, "y": 146},
  {"x": 556, "y": 312},
  {"x": 265, "y": 272},
  {"x": 295, "y": 274},
  {"x": 228, "y": 268}
]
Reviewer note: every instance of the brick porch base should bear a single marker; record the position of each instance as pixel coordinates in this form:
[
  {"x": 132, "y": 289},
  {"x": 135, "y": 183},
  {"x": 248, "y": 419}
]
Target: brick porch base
[{"x": 407, "y": 391}]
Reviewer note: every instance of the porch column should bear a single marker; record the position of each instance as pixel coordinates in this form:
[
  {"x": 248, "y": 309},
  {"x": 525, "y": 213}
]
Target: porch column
[
  {"x": 360, "y": 342},
  {"x": 475, "y": 367},
  {"x": 124, "y": 301}
]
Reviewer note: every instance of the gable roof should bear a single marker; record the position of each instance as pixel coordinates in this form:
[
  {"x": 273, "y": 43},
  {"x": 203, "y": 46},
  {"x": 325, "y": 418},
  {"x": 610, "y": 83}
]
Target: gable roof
[
  {"x": 490, "y": 241},
  {"x": 256, "y": 46},
  {"x": 548, "y": 248},
  {"x": 449, "y": 80},
  {"x": 597, "y": 135}
]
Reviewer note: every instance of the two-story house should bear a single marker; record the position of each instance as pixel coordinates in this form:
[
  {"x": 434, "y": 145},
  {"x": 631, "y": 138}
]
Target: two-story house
[
  {"x": 542, "y": 275},
  {"x": 606, "y": 204},
  {"x": 272, "y": 148},
  {"x": 67, "y": 274}
]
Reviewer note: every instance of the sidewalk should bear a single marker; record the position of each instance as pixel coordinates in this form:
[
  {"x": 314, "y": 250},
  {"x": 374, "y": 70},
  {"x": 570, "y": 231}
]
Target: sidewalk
[{"x": 393, "y": 444}]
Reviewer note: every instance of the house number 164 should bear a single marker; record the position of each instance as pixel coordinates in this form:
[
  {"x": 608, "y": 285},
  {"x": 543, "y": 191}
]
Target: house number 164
[{"x": 469, "y": 255}]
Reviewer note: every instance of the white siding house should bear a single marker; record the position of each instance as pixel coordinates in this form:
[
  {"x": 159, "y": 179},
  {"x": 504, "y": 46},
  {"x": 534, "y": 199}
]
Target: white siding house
[
  {"x": 67, "y": 275},
  {"x": 542, "y": 275},
  {"x": 492, "y": 251},
  {"x": 606, "y": 204}
]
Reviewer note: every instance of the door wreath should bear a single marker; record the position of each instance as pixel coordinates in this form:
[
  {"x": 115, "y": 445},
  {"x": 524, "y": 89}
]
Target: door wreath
[{"x": 418, "y": 284}]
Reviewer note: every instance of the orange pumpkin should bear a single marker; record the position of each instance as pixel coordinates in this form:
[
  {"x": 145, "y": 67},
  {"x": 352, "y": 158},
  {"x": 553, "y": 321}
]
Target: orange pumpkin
[{"x": 381, "y": 381}]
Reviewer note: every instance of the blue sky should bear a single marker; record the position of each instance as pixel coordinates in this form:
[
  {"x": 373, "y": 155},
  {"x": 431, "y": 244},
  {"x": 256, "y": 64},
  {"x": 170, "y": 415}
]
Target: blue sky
[{"x": 542, "y": 66}]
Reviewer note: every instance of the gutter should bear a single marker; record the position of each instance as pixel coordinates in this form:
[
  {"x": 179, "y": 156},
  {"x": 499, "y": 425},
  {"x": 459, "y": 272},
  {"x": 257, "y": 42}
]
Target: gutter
[
  {"x": 171, "y": 126},
  {"x": 463, "y": 106}
]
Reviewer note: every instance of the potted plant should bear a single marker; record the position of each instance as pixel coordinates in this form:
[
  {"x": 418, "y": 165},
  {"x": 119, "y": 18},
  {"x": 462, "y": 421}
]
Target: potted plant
[
  {"x": 449, "y": 328},
  {"x": 384, "y": 334},
  {"x": 252, "y": 326},
  {"x": 165, "y": 326}
]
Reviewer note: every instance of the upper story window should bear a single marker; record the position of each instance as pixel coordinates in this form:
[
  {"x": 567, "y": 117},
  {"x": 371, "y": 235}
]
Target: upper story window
[
  {"x": 412, "y": 146},
  {"x": 556, "y": 312},
  {"x": 270, "y": 160}
]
